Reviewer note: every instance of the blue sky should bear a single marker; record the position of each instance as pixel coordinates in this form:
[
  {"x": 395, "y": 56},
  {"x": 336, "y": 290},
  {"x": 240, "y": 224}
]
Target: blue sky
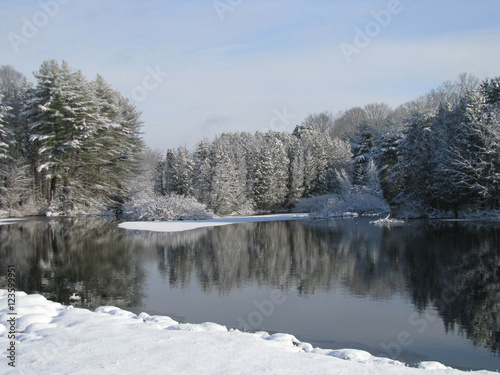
[{"x": 241, "y": 65}]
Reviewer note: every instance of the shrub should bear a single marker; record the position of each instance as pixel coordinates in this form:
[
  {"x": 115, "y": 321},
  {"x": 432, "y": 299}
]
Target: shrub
[
  {"x": 169, "y": 207},
  {"x": 357, "y": 201}
]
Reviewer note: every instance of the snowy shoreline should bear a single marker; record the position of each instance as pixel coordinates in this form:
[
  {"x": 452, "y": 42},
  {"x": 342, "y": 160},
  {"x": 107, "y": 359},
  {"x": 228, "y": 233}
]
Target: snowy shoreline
[
  {"x": 184, "y": 225},
  {"x": 52, "y": 338}
]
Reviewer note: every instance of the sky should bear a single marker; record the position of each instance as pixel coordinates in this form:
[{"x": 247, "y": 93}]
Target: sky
[{"x": 197, "y": 68}]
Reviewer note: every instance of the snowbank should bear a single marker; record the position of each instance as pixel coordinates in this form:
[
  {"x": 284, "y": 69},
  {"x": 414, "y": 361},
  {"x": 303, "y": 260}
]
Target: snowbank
[
  {"x": 179, "y": 226},
  {"x": 335, "y": 205},
  {"x": 387, "y": 222},
  {"x": 56, "y": 339}
]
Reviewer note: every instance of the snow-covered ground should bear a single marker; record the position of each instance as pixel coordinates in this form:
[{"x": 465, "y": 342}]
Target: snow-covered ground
[
  {"x": 179, "y": 226},
  {"x": 56, "y": 339}
]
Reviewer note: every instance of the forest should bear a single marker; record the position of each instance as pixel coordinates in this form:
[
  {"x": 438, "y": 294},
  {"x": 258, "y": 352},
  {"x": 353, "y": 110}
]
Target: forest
[
  {"x": 67, "y": 145},
  {"x": 71, "y": 146}
]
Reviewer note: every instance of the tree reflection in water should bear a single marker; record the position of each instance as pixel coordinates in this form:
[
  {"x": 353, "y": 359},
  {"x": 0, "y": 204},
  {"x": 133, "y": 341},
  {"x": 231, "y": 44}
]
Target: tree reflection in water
[
  {"x": 86, "y": 256},
  {"x": 452, "y": 267}
]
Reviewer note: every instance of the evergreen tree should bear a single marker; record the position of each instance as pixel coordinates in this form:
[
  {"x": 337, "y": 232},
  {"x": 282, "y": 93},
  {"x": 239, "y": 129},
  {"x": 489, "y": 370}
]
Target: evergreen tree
[
  {"x": 385, "y": 155},
  {"x": 4, "y": 136},
  {"x": 271, "y": 176},
  {"x": 362, "y": 148},
  {"x": 85, "y": 135},
  {"x": 179, "y": 171},
  {"x": 226, "y": 193},
  {"x": 414, "y": 160},
  {"x": 202, "y": 172},
  {"x": 159, "y": 187},
  {"x": 62, "y": 118},
  {"x": 296, "y": 173},
  {"x": 476, "y": 155}
]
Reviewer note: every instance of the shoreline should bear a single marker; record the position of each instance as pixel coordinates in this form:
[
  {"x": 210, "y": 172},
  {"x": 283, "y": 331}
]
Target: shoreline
[
  {"x": 54, "y": 338},
  {"x": 185, "y": 225}
]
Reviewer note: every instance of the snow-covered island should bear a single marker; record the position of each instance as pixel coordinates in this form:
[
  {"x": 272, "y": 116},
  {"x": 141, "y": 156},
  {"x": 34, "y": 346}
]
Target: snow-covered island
[
  {"x": 183, "y": 225},
  {"x": 54, "y": 339}
]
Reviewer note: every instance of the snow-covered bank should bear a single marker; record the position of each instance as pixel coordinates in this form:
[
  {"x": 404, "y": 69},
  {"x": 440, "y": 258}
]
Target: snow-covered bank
[
  {"x": 56, "y": 339},
  {"x": 183, "y": 225}
]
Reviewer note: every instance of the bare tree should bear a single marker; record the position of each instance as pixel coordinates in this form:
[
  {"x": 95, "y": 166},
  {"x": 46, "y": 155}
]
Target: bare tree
[
  {"x": 11, "y": 81},
  {"x": 449, "y": 92},
  {"x": 321, "y": 122},
  {"x": 377, "y": 114},
  {"x": 347, "y": 122}
]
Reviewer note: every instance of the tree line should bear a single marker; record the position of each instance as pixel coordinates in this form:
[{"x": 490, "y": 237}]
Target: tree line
[
  {"x": 67, "y": 144},
  {"x": 243, "y": 172},
  {"x": 70, "y": 145},
  {"x": 435, "y": 154}
]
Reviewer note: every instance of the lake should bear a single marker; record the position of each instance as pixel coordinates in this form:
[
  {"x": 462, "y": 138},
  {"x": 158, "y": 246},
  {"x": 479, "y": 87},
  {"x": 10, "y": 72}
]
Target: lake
[{"x": 425, "y": 290}]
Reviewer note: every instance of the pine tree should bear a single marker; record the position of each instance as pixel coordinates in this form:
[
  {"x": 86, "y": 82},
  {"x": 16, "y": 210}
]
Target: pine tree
[
  {"x": 476, "y": 153},
  {"x": 85, "y": 135},
  {"x": 4, "y": 139},
  {"x": 226, "y": 193},
  {"x": 179, "y": 171},
  {"x": 414, "y": 160},
  {"x": 202, "y": 172},
  {"x": 159, "y": 187},
  {"x": 372, "y": 180},
  {"x": 362, "y": 147},
  {"x": 271, "y": 176},
  {"x": 296, "y": 173},
  {"x": 62, "y": 118},
  {"x": 385, "y": 156}
]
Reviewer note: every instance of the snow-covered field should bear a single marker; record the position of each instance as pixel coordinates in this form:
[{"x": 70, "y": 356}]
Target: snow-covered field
[
  {"x": 179, "y": 226},
  {"x": 56, "y": 339}
]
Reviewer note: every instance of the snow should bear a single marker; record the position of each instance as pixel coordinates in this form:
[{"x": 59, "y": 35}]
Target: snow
[
  {"x": 387, "y": 222},
  {"x": 9, "y": 221},
  {"x": 56, "y": 339},
  {"x": 184, "y": 225}
]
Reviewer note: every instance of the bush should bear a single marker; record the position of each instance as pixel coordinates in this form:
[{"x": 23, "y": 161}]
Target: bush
[
  {"x": 360, "y": 202},
  {"x": 169, "y": 207}
]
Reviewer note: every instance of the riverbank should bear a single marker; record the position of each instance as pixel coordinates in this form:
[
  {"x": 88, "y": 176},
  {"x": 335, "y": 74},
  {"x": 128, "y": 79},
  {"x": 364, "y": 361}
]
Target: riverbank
[{"x": 56, "y": 339}]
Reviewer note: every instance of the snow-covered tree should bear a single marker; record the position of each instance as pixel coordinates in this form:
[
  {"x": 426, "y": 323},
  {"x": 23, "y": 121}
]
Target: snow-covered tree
[
  {"x": 362, "y": 149},
  {"x": 226, "y": 192},
  {"x": 414, "y": 164},
  {"x": 13, "y": 88},
  {"x": 202, "y": 172},
  {"x": 179, "y": 172},
  {"x": 159, "y": 187},
  {"x": 372, "y": 180},
  {"x": 475, "y": 167},
  {"x": 85, "y": 135},
  {"x": 296, "y": 173},
  {"x": 4, "y": 139},
  {"x": 271, "y": 175},
  {"x": 385, "y": 156}
]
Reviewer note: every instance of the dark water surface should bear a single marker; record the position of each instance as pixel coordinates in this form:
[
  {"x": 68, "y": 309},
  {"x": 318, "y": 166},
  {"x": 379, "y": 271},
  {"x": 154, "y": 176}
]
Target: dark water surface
[{"x": 420, "y": 291}]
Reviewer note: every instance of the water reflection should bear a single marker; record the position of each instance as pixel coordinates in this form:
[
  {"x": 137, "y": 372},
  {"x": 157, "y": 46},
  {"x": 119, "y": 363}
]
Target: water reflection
[
  {"x": 452, "y": 267},
  {"x": 456, "y": 268},
  {"x": 85, "y": 256},
  {"x": 306, "y": 256}
]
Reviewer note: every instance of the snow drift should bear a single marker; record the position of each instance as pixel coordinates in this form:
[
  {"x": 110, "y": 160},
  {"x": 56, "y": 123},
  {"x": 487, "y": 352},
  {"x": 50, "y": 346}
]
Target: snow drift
[{"x": 56, "y": 339}]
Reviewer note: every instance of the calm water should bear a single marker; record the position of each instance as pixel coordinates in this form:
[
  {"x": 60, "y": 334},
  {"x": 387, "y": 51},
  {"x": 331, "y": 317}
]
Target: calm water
[{"x": 421, "y": 291}]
